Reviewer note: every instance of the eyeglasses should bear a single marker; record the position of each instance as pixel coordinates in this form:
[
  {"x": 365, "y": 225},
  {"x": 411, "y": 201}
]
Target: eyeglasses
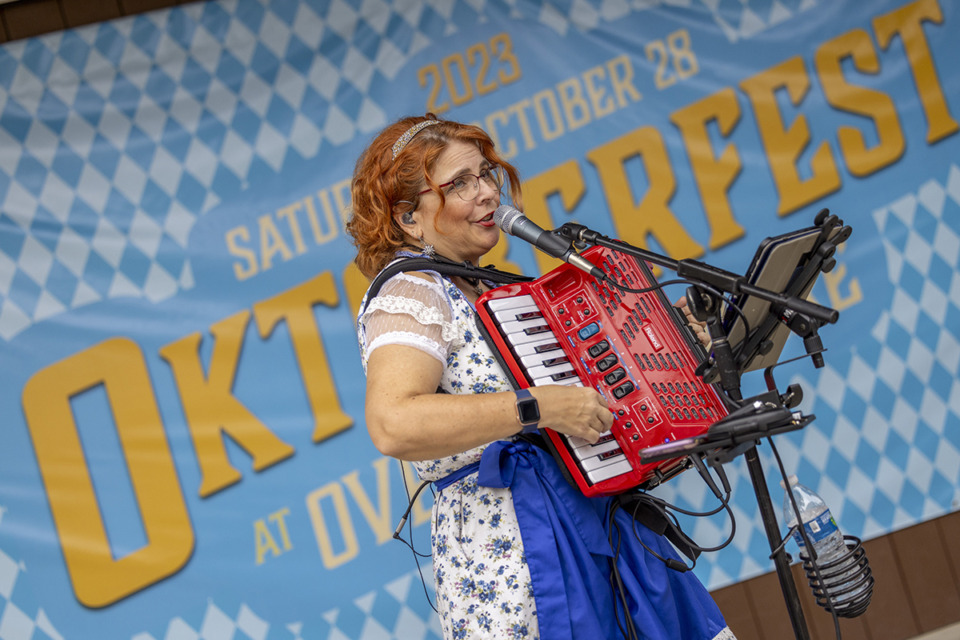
[{"x": 467, "y": 185}]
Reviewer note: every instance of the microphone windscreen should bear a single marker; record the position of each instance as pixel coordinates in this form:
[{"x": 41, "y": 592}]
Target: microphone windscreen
[{"x": 505, "y": 216}]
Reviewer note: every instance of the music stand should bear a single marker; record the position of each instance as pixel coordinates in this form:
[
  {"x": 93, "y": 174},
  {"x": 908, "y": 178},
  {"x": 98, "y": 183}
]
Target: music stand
[
  {"x": 789, "y": 263},
  {"x": 780, "y": 277}
]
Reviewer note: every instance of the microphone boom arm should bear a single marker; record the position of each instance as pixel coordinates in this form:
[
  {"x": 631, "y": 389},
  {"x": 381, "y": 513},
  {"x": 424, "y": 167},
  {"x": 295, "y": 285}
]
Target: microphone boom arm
[{"x": 701, "y": 272}]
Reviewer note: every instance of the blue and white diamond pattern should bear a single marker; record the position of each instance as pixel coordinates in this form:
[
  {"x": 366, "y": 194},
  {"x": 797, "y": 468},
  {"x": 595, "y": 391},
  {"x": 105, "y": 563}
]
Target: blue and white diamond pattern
[
  {"x": 115, "y": 138},
  {"x": 20, "y": 617},
  {"x": 894, "y": 451},
  {"x": 397, "y": 611},
  {"x": 744, "y": 19},
  {"x": 216, "y": 625},
  {"x": 884, "y": 450}
]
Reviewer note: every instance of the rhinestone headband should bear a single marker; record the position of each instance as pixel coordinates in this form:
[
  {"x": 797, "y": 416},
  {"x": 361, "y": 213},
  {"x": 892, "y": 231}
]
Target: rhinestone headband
[{"x": 408, "y": 135}]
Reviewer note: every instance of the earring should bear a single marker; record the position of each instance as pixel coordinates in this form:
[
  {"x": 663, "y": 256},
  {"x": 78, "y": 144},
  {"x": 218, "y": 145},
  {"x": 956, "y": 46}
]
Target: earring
[{"x": 428, "y": 249}]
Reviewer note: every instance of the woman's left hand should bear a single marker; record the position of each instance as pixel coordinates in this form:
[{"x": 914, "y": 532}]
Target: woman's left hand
[{"x": 699, "y": 328}]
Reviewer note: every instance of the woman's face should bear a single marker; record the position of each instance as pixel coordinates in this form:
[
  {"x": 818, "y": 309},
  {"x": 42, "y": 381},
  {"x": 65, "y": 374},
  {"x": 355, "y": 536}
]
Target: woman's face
[{"x": 467, "y": 230}]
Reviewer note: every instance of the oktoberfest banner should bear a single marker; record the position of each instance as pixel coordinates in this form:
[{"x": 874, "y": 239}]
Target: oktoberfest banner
[{"x": 183, "y": 451}]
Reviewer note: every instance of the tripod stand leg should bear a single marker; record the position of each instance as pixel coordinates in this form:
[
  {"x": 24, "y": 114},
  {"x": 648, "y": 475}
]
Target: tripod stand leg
[{"x": 787, "y": 585}]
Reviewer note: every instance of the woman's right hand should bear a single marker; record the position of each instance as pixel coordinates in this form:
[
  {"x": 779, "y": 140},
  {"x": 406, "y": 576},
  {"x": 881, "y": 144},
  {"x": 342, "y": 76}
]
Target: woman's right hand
[{"x": 574, "y": 411}]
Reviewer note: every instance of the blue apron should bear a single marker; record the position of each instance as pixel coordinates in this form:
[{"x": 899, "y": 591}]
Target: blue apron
[{"x": 567, "y": 542}]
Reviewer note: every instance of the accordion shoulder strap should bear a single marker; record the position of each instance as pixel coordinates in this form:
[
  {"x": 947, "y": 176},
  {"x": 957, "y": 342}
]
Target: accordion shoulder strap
[{"x": 445, "y": 268}]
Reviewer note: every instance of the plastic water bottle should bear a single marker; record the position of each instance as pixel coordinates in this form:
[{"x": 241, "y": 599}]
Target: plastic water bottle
[{"x": 840, "y": 580}]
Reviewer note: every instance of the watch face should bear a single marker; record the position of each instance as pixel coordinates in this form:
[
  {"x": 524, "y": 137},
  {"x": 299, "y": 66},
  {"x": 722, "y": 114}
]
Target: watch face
[{"x": 528, "y": 411}]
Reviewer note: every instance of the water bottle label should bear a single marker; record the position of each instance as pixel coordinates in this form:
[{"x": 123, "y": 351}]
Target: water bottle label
[{"x": 818, "y": 528}]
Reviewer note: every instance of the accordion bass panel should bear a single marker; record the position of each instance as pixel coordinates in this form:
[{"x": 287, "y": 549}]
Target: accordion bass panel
[{"x": 567, "y": 327}]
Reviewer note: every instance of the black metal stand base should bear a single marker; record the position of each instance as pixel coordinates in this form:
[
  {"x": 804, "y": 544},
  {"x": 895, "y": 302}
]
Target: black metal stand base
[{"x": 768, "y": 515}]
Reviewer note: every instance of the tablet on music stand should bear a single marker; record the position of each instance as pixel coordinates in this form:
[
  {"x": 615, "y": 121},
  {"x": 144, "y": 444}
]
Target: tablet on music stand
[{"x": 786, "y": 263}]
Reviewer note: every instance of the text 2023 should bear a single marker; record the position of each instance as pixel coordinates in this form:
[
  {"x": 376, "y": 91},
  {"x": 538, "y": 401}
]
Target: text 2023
[{"x": 484, "y": 67}]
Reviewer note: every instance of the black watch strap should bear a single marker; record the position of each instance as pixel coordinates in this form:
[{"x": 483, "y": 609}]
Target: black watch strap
[{"x": 528, "y": 411}]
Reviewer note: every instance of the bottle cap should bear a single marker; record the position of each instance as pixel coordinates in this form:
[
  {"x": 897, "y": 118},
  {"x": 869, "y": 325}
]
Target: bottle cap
[{"x": 792, "y": 479}]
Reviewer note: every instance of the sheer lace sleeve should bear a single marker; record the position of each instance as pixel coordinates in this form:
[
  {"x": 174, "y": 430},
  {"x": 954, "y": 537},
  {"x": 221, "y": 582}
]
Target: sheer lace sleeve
[{"x": 409, "y": 311}]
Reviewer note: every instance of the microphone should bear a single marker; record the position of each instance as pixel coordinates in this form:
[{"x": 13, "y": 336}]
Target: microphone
[{"x": 512, "y": 221}]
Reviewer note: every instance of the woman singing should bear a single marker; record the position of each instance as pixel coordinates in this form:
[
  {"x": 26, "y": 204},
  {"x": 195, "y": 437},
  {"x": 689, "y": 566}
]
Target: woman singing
[{"x": 517, "y": 551}]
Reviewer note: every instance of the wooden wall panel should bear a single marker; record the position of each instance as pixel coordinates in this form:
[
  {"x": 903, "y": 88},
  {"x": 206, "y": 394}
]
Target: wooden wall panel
[
  {"x": 133, "y": 7},
  {"x": 890, "y": 616},
  {"x": 924, "y": 564},
  {"x": 769, "y": 609},
  {"x": 734, "y": 603},
  {"x": 77, "y": 14},
  {"x": 32, "y": 18},
  {"x": 917, "y": 590},
  {"x": 819, "y": 621},
  {"x": 950, "y": 535}
]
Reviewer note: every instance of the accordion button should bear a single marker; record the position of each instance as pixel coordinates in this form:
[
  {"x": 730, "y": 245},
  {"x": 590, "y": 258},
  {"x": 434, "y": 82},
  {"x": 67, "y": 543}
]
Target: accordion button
[
  {"x": 607, "y": 362},
  {"x": 622, "y": 390},
  {"x": 590, "y": 330},
  {"x": 598, "y": 348},
  {"x": 615, "y": 376}
]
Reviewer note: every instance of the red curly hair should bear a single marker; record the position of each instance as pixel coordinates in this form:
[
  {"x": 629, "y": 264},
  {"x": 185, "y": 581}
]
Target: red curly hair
[{"x": 384, "y": 187}]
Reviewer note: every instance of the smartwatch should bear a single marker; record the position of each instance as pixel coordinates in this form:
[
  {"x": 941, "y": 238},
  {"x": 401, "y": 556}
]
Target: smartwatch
[{"x": 528, "y": 411}]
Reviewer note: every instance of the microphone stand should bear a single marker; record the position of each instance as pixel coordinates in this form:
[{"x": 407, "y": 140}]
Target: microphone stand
[
  {"x": 700, "y": 272},
  {"x": 761, "y": 416}
]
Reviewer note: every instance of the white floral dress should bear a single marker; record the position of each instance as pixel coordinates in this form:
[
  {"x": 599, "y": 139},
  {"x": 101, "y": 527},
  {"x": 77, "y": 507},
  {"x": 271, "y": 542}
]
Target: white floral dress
[
  {"x": 483, "y": 580},
  {"x": 483, "y": 585}
]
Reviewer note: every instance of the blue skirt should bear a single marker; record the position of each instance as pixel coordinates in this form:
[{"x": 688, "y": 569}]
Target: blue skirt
[{"x": 567, "y": 541}]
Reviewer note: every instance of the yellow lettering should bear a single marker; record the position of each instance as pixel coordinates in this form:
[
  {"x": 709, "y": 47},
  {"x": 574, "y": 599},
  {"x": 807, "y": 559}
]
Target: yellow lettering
[
  {"x": 279, "y": 518},
  {"x": 379, "y": 522},
  {"x": 211, "y": 408},
  {"x": 549, "y": 133},
  {"x": 869, "y": 103},
  {"x": 355, "y": 284},
  {"x": 565, "y": 180},
  {"x": 652, "y": 216},
  {"x": 498, "y": 256},
  {"x": 507, "y": 149},
  {"x": 681, "y": 51},
  {"x": 571, "y": 97},
  {"x": 98, "y": 579},
  {"x": 784, "y": 145},
  {"x": 321, "y": 235},
  {"x": 834, "y": 280},
  {"x": 519, "y": 108},
  {"x": 295, "y": 306},
  {"x": 906, "y": 22},
  {"x": 602, "y": 104},
  {"x": 271, "y": 242},
  {"x": 239, "y": 270},
  {"x": 332, "y": 559},
  {"x": 264, "y": 541},
  {"x": 620, "y": 70},
  {"x": 568, "y": 105},
  {"x": 341, "y": 196},
  {"x": 714, "y": 174},
  {"x": 289, "y": 213}
]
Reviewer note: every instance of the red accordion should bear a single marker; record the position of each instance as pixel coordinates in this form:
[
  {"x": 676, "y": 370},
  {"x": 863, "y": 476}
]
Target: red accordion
[{"x": 567, "y": 327}]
